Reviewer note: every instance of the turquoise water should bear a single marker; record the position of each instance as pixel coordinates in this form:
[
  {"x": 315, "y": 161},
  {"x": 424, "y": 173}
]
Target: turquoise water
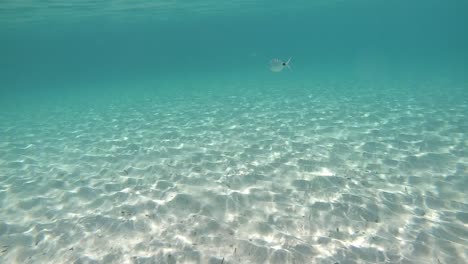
[{"x": 155, "y": 132}]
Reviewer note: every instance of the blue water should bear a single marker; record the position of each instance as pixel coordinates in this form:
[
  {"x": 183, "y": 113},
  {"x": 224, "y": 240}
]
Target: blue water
[{"x": 155, "y": 132}]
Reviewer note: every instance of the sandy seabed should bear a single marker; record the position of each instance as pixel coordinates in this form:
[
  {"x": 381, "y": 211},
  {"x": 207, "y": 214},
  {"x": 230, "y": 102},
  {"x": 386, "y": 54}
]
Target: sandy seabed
[{"x": 310, "y": 176}]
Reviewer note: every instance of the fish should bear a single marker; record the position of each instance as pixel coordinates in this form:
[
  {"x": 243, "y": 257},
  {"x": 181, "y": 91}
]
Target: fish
[{"x": 277, "y": 65}]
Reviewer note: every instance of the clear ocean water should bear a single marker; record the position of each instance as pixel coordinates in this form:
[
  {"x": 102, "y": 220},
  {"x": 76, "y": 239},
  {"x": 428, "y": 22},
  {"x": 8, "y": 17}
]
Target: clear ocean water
[{"x": 155, "y": 131}]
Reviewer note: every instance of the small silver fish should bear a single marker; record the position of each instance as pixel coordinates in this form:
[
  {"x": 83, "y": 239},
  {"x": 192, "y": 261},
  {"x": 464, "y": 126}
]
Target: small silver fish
[{"x": 277, "y": 65}]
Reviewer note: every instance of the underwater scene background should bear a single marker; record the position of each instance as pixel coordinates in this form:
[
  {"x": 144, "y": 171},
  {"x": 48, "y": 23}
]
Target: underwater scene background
[{"x": 156, "y": 131}]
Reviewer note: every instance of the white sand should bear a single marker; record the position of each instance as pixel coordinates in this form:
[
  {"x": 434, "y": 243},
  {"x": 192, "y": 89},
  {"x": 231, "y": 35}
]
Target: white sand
[{"x": 248, "y": 178}]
